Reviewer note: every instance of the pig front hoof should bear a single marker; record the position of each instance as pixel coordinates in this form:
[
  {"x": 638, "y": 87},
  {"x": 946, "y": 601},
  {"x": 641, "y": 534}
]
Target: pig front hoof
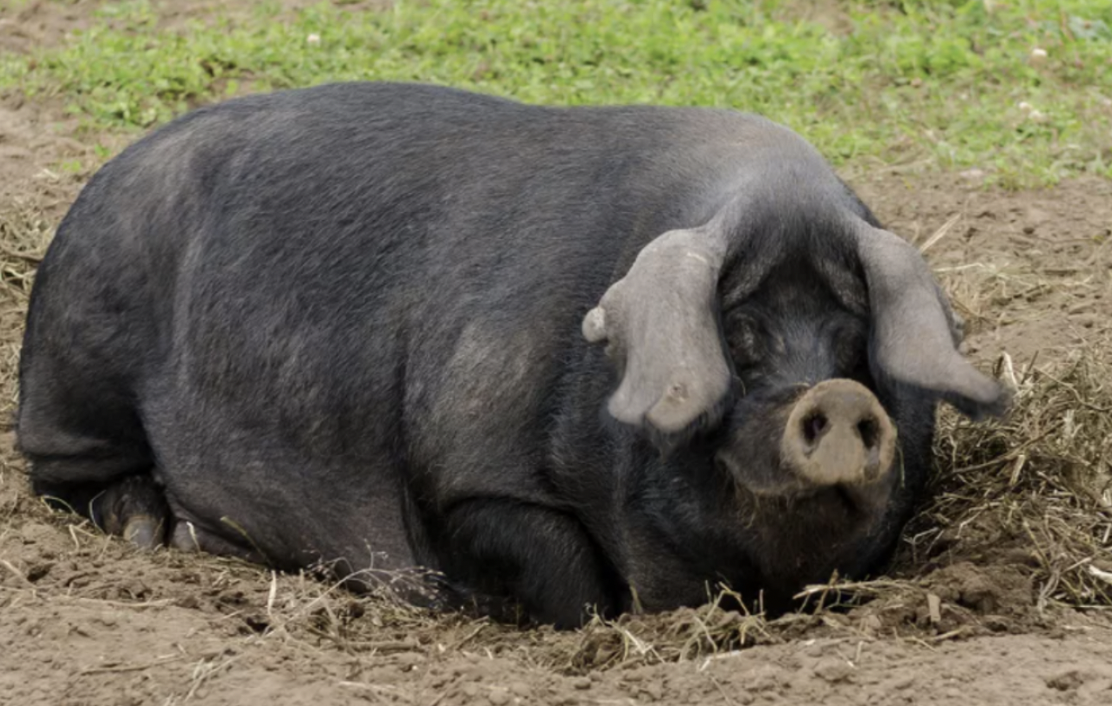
[{"x": 133, "y": 508}]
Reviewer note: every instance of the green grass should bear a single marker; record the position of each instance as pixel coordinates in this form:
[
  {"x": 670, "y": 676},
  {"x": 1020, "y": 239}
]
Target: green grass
[{"x": 938, "y": 82}]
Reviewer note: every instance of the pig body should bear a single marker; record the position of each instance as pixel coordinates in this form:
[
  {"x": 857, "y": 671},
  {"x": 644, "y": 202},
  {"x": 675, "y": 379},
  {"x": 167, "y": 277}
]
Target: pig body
[{"x": 556, "y": 356}]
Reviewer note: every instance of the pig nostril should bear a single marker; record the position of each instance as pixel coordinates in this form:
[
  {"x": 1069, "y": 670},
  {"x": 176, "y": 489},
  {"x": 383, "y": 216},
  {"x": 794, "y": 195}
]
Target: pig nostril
[
  {"x": 813, "y": 426},
  {"x": 868, "y": 429}
]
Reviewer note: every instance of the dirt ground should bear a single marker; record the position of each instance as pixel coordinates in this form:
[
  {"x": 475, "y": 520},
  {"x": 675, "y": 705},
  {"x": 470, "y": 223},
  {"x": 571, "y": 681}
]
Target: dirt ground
[{"x": 85, "y": 619}]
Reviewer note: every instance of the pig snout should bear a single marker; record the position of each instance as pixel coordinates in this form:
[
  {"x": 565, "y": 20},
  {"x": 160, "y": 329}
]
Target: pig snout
[{"x": 838, "y": 434}]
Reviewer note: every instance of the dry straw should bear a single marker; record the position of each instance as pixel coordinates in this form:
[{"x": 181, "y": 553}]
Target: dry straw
[{"x": 1040, "y": 479}]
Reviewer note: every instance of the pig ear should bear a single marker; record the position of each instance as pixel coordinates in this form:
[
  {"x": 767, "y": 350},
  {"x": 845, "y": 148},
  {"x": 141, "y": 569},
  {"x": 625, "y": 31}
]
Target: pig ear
[
  {"x": 661, "y": 326},
  {"x": 914, "y": 332}
]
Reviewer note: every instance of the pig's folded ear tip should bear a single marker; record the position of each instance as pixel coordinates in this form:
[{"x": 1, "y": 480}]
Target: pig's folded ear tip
[
  {"x": 668, "y": 441},
  {"x": 1003, "y": 404},
  {"x": 981, "y": 411}
]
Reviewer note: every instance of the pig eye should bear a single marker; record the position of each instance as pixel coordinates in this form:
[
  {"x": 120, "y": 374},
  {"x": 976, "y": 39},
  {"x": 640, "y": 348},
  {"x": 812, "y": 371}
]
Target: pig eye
[
  {"x": 743, "y": 337},
  {"x": 851, "y": 348}
]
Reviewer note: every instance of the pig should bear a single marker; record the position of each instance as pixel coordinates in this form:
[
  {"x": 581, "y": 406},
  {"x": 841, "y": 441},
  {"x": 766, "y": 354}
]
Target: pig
[{"x": 465, "y": 349}]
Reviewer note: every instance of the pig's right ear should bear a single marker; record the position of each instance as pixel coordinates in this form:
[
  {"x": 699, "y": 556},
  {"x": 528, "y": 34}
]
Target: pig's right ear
[
  {"x": 914, "y": 332},
  {"x": 661, "y": 326}
]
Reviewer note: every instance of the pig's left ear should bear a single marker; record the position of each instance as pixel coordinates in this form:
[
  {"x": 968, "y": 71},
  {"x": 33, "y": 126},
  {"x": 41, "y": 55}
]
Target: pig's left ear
[
  {"x": 661, "y": 326},
  {"x": 914, "y": 332}
]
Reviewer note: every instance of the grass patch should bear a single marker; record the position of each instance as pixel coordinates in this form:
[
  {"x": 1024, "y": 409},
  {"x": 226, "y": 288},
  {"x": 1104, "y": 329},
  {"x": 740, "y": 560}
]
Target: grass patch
[{"x": 951, "y": 84}]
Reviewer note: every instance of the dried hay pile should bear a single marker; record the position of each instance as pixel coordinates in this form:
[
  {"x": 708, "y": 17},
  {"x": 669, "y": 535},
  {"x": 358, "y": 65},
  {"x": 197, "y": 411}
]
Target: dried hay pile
[{"x": 1041, "y": 478}]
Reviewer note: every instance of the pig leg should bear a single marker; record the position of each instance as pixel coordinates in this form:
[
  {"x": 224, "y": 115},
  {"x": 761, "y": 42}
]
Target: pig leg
[
  {"x": 77, "y": 422},
  {"x": 540, "y": 557},
  {"x": 225, "y": 538},
  {"x": 134, "y": 508}
]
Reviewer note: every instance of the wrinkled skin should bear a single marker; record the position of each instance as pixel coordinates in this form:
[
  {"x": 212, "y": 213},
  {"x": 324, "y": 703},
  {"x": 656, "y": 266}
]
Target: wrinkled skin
[{"x": 560, "y": 357}]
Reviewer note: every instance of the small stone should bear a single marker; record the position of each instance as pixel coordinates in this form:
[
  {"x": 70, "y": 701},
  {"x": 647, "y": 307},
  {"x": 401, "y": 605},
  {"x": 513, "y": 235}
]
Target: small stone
[
  {"x": 313, "y": 39},
  {"x": 520, "y": 688},
  {"x": 871, "y": 624},
  {"x": 765, "y": 678},
  {"x": 581, "y": 683},
  {"x": 903, "y": 683},
  {"x": 833, "y": 670},
  {"x": 1070, "y": 679},
  {"x": 189, "y": 602},
  {"x": 653, "y": 691},
  {"x": 499, "y": 696},
  {"x": 1038, "y": 55}
]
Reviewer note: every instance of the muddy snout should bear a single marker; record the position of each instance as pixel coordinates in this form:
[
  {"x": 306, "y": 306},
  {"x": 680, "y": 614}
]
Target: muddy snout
[{"x": 838, "y": 434}]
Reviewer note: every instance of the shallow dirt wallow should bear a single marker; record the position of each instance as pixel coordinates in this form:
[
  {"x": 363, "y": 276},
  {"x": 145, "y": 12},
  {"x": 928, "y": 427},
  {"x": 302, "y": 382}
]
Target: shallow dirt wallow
[{"x": 981, "y": 608}]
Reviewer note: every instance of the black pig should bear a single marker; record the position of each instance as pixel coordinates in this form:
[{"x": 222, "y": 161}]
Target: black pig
[{"x": 356, "y": 324}]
